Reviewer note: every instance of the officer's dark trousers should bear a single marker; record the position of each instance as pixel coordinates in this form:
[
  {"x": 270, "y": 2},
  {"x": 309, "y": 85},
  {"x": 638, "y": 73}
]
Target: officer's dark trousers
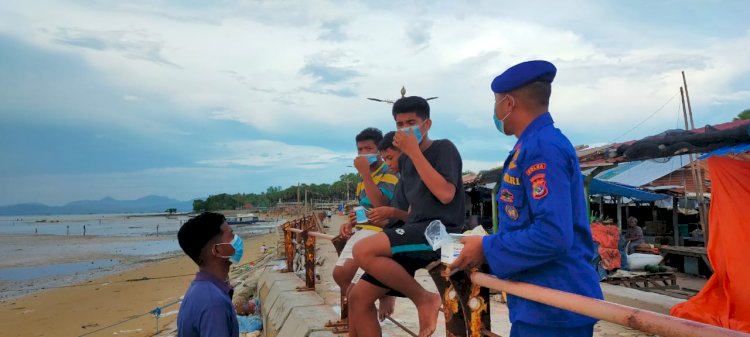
[{"x": 521, "y": 329}]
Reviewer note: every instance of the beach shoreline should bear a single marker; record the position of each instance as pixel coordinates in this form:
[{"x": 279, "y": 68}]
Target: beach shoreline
[
  {"x": 40, "y": 262},
  {"x": 99, "y": 300}
]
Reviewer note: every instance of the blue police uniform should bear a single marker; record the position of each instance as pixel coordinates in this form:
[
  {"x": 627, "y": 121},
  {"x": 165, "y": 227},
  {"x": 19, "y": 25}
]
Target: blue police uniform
[{"x": 543, "y": 235}]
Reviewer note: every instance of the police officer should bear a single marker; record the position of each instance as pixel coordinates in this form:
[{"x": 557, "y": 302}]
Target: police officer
[{"x": 543, "y": 236}]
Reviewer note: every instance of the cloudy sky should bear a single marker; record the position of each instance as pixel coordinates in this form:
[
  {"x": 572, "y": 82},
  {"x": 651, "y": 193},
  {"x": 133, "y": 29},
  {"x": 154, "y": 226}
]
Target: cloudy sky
[{"x": 190, "y": 98}]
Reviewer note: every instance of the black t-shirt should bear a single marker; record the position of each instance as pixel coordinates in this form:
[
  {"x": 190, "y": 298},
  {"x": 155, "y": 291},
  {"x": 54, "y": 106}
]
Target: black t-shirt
[{"x": 425, "y": 207}]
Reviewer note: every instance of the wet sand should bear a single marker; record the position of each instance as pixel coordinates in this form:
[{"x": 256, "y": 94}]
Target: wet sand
[
  {"x": 84, "y": 307},
  {"x": 47, "y": 261}
]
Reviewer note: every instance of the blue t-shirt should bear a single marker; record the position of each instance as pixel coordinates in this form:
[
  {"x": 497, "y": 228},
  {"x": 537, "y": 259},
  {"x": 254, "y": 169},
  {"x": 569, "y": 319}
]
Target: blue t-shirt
[{"x": 207, "y": 310}]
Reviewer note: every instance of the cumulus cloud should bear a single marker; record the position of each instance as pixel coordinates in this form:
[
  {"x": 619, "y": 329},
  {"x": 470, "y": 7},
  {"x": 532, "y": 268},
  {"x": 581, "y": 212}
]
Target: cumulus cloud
[
  {"x": 334, "y": 30},
  {"x": 302, "y": 69},
  {"x": 269, "y": 153},
  {"x": 132, "y": 44},
  {"x": 326, "y": 54},
  {"x": 419, "y": 33}
]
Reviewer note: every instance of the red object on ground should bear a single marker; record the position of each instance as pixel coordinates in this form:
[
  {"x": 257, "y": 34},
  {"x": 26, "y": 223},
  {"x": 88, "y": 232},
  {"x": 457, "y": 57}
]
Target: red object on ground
[
  {"x": 725, "y": 299},
  {"x": 607, "y": 237}
]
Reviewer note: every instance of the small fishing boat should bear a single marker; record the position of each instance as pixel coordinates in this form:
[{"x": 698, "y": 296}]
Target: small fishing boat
[{"x": 243, "y": 219}]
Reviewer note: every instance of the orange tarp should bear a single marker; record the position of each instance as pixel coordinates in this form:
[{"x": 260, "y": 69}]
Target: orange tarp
[
  {"x": 725, "y": 299},
  {"x": 607, "y": 237}
]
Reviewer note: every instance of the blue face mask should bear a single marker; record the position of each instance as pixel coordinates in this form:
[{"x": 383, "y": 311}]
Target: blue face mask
[
  {"x": 416, "y": 131},
  {"x": 371, "y": 157},
  {"x": 499, "y": 123},
  {"x": 238, "y": 249}
]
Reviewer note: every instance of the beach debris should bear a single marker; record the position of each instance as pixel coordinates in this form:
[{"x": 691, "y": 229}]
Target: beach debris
[{"x": 250, "y": 323}]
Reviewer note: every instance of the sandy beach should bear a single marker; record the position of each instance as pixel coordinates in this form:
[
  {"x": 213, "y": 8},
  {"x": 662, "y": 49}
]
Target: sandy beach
[{"x": 85, "y": 307}]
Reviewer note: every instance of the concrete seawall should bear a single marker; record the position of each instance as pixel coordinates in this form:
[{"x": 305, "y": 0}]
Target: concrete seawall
[
  {"x": 639, "y": 298},
  {"x": 290, "y": 313}
]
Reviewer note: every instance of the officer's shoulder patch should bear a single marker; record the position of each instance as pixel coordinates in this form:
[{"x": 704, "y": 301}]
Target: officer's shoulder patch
[
  {"x": 538, "y": 176},
  {"x": 539, "y": 186},
  {"x": 512, "y": 212},
  {"x": 506, "y": 195},
  {"x": 535, "y": 168}
]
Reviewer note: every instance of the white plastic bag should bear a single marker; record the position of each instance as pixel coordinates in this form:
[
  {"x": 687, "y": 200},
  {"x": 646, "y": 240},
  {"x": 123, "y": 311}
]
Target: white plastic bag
[{"x": 436, "y": 234}]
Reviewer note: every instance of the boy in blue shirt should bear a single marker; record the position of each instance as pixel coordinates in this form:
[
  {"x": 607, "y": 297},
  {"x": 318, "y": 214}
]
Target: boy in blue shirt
[{"x": 206, "y": 308}]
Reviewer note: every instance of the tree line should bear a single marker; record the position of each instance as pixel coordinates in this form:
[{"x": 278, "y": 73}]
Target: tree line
[{"x": 333, "y": 192}]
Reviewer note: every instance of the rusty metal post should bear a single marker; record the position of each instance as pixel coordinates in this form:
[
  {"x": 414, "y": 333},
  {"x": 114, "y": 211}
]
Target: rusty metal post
[
  {"x": 475, "y": 302},
  {"x": 309, "y": 241},
  {"x": 288, "y": 248},
  {"x": 455, "y": 322}
]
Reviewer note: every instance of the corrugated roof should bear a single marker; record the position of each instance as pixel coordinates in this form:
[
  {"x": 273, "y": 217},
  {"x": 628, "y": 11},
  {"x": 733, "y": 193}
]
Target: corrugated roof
[
  {"x": 596, "y": 156},
  {"x": 639, "y": 173},
  {"x": 609, "y": 188}
]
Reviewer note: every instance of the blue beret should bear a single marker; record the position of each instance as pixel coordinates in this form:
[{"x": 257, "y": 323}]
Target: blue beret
[{"x": 523, "y": 73}]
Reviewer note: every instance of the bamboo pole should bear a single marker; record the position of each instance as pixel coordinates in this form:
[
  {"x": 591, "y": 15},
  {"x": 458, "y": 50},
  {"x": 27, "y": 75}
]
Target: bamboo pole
[
  {"x": 643, "y": 320},
  {"x": 693, "y": 169},
  {"x": 699, "y": 170}
]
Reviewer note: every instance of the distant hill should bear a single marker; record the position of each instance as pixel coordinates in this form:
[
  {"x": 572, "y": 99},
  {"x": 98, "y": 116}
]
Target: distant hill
[{"x": 148, "y": 204}]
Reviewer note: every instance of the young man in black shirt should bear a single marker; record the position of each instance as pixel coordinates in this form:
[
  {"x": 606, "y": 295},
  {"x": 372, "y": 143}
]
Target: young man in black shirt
[{"x": 430, "y": 189}]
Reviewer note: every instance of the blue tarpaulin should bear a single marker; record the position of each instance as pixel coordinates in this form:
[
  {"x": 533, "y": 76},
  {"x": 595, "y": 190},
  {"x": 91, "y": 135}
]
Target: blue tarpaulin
[
  {"x": 614, "y": 189},
  {"x": 734, "y": 149}
]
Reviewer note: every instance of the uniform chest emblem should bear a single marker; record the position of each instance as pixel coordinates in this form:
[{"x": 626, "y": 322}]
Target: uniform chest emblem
[
  {"x": 539, "y": 186},
  {"x": 512, "y": 212},
  {"x": 507, "y": 196}
]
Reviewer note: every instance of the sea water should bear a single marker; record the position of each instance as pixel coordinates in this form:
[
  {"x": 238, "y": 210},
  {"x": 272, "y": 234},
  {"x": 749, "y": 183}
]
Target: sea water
[{"x": 38, "y": 249}]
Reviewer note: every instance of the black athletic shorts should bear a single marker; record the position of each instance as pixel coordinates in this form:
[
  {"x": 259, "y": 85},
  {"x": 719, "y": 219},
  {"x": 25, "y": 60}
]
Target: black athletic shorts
[{"x": 410, "y": 249}]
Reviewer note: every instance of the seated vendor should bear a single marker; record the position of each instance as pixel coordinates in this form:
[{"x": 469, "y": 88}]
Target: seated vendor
[{"x": 634, "y": 235}]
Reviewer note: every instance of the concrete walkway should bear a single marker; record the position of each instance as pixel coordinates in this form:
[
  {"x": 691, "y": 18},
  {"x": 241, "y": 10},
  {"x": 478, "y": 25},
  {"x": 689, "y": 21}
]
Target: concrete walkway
[{"x": 319, "y": 309}]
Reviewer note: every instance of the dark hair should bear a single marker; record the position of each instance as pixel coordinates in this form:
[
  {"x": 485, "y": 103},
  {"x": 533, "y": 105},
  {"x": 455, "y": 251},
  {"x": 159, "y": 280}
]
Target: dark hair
[
  {"x": 387, "y": 142},
  {"x": 536, "y": 92},
  {"x": 414, "y": 104},
  {"x": 197, "y": 232},
  {"x": 372, "y": 134}
]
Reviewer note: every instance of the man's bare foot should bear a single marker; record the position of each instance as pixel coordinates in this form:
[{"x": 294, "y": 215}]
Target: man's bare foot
[
  {"x": 428, "y": 309},
  {"x": 386, "y": 307}
]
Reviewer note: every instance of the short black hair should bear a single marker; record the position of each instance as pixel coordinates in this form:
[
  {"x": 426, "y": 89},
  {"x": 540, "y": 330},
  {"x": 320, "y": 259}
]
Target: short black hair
[
  {"x": 373, "y": 134},
  {"x": 536, "y": 92},
  {"x": 414, "y": 104},
  {"x": 197, "y": 232},
  {"x": 387, "y": 142}
]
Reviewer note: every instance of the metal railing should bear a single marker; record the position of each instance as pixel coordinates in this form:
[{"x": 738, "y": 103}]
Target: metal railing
[
  {"x": 466, "y": 300},
  {"x": 298, "y": 233}
]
